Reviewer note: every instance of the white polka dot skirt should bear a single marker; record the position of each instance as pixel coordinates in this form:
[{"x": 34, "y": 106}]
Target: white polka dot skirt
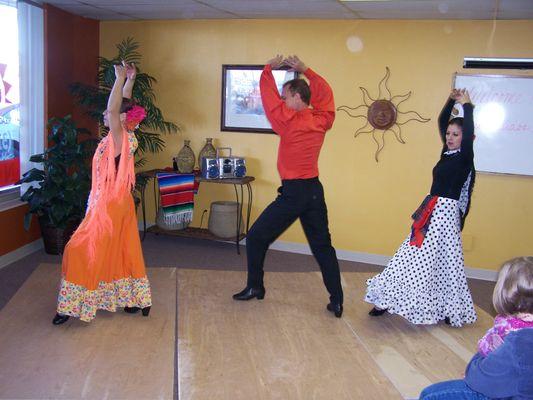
[{"x": 428, "y": 283}]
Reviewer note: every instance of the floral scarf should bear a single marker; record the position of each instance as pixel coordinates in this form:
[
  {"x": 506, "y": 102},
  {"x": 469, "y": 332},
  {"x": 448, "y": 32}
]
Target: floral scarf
[{"x": 503, "y": 325}]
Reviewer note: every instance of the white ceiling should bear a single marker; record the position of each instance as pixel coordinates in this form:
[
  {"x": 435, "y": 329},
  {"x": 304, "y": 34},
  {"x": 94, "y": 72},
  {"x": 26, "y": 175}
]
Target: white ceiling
[{"x": 303, "y": 9}]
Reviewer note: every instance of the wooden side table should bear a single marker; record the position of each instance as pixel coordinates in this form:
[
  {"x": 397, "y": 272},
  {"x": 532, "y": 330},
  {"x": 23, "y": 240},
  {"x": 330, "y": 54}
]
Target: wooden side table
[{"x": 202, "y": 233}]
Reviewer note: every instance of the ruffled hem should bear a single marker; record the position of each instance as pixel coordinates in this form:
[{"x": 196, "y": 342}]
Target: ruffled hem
[
  {"x": 458, "y": 307},
  {"x": 77, "y": 301}
]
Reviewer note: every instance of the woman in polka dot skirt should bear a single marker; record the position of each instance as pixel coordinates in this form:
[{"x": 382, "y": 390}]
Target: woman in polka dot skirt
[{"x": 425, "y": 280}]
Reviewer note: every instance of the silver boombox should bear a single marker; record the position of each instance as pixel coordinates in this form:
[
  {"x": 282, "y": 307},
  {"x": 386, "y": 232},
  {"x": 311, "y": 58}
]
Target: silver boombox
[{"x": 223, "y": 167}]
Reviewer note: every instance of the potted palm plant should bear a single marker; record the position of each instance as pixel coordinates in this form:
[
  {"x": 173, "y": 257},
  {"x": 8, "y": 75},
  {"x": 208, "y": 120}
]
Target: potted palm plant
[
  {"x": 94, "y": 99},
  {"x": 58, "y": 194}
]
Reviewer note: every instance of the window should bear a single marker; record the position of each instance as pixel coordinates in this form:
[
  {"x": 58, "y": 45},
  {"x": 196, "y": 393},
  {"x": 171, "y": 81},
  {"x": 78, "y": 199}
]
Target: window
[
  {"x": 9, "y": 98},
  {"x": 21, "y": 110}
]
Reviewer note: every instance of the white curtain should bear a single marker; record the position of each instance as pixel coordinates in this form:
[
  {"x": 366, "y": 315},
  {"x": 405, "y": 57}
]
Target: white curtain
[{"x": 31, "y": 46}]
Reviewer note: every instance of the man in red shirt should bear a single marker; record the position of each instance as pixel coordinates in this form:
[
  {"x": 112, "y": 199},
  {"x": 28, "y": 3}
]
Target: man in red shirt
[{"x": 301, "y": 130}]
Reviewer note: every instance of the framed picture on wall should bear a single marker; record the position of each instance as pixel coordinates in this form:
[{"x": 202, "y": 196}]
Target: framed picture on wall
[{"x": 242, "y": 109}]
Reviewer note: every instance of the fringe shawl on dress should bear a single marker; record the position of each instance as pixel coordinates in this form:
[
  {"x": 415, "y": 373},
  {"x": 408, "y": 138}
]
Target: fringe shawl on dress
[{"x": 107, "y": 184}]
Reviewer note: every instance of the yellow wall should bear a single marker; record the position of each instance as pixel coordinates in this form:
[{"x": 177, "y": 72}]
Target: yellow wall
[{"x": 369, "y": 203}]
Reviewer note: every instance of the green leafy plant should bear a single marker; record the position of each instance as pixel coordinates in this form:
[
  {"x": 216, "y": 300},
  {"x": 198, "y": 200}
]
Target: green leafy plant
[
  {"x": 94, "y": 99},
  {"x": 60, "y": 190}
]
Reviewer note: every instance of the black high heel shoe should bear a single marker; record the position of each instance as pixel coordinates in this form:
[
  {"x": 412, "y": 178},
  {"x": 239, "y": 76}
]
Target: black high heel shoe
[
  {"x": 146, "y": 311},
  {"x": 60, "y": 319},
  {"x": 376, "y": 312}
]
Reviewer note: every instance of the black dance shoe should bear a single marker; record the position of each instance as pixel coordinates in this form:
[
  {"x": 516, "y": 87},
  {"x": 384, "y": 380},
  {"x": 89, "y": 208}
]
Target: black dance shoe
[
  {"x": 335, "y": 309},
  {"x": 376, "y": 312},
  {"x": 60, "y": 319},
  {"x": 249, "y": 293},
  {"x": 133, "y": 310},
  {"x": 447, "y": 321}
]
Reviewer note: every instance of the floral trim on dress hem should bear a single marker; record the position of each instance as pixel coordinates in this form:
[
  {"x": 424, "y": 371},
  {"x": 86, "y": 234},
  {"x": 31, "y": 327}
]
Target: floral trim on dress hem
[{"x": 77, "y": 301}]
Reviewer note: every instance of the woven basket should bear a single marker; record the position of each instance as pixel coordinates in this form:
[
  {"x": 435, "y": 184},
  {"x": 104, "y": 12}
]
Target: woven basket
[
  {"x": 161, "y": 223},
  {"x": 223, "y": 219}
]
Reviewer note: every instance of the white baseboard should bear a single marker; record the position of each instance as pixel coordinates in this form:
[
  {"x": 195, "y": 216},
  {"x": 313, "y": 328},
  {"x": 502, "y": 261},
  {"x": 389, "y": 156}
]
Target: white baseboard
[
  {"x": 375, "y": 259},
  {"x": 21, "y": 252},
  {"x": 481, "y": 274},
  {"x": 302, "y": 248}
]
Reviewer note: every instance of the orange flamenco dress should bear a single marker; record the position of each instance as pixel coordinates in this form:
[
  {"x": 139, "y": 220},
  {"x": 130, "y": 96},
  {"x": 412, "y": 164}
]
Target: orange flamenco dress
[{"x": 103, "y": 265}]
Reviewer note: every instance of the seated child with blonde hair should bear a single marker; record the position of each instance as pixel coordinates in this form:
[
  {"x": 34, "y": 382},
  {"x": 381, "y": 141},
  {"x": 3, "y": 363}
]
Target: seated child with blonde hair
[{"x": 503, "y": 365}]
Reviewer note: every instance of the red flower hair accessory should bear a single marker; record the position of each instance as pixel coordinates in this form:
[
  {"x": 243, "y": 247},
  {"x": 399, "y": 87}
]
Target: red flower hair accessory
[{"x": 134, "y": 117}]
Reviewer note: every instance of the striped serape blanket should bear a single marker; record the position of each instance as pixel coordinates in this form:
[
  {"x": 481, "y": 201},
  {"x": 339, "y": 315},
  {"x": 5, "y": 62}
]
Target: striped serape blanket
[{"x": 177, "y": 197}]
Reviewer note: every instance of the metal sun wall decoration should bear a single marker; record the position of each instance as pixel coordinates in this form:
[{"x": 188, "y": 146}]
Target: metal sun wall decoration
[{"x": 382, "y": 114}]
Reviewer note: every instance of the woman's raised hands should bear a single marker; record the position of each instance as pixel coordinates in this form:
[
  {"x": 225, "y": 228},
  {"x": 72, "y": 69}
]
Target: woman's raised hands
[
  {"x": 131, "y": 70},
  {"x": 461, "y": 96},
  {"x": 120, "y": 72}
]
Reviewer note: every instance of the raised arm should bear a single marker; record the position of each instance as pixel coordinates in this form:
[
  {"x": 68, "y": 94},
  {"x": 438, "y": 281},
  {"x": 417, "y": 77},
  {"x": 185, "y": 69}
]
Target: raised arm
[
  {"x": 467, "y": 143},
  {"x": 321, "y": 93},
  {"x": 131, "y": 73},
  {"x": 444, "y": 115},
  {"x": 275, "y": 109},
  {"x": 113, "y": 105}
]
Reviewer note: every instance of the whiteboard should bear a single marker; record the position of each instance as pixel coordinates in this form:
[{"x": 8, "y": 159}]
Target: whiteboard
[{"x": 503, "y": 118}]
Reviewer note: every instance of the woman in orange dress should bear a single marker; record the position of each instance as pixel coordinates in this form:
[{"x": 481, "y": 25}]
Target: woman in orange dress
[{"x": 103, "y": 265}]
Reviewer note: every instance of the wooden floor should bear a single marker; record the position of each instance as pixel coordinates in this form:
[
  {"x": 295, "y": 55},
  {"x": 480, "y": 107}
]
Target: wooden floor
[
  {"x": 286, "y": 346},
  {"x": 411, "y": 356},
  {"x": 289, "y": 347},
  {"x": 116, "y": 356}
]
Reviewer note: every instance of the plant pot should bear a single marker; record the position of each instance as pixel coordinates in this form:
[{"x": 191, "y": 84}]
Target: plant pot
[{"x": 55, "y": 238}]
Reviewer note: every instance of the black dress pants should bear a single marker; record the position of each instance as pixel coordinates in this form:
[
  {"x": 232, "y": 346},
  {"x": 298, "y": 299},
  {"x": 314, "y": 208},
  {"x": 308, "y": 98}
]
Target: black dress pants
[{"x": 298, "y": 198}]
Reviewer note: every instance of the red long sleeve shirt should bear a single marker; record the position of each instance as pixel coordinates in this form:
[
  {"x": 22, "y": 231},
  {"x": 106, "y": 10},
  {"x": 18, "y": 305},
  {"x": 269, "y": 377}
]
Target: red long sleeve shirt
[{"x": 301, "y": 132}]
